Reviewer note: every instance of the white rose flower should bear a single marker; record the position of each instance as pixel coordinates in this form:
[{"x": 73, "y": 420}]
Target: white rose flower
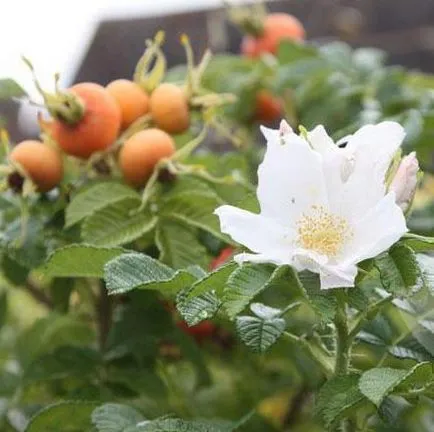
[{"x": 323, "y": 208}]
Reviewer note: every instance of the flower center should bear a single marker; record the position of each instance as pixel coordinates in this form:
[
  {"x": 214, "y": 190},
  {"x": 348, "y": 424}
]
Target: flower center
[{"x": 323, "y": 232}]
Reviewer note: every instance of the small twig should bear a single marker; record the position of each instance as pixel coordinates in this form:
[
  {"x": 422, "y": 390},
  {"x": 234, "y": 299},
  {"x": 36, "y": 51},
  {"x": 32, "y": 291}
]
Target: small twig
[
  {"x": 38, "y": 294},
  {"x": 104, "y": 310},
  {"x": 296, "y": 407}
]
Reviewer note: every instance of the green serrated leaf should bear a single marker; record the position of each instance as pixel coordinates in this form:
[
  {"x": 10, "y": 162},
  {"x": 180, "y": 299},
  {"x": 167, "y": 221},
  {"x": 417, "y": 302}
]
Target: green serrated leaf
[
  {"x": 113, "y": 417},
  {"x": 195, "y": 209},
  {"x": 29, "y": 252},
  {"x": 214, "y": 281},
  {"x": 178, "y": 425},
  {"x": 426, "y": 265},
  {"x": 179, "y": 246},
  {"x": 378, "y": 383},
  {"x": 259, "y": 334},
  {"x": 337, "y": 398},
  {"x": 117, "y": 224},
  {"x": 418, "y": 243},
  {"x": 399, "y": 269},
  {"x": 63, "y": 416},
  {"x": 95, "y": 198},
  {"x": 199, "y": 308},
  {"x": 80, "y": 260},
  {"x": 245, "y": 283},
  {"x": 413, "y": 353},
  {"x": 323, "y": 302},
  {"x": 9, "y": 89},
  {"x": 138, "y": 271}
]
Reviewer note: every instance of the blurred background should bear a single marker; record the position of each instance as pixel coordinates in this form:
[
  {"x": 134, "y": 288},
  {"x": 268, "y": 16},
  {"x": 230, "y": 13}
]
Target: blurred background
[{"x": 100, "y": 40}]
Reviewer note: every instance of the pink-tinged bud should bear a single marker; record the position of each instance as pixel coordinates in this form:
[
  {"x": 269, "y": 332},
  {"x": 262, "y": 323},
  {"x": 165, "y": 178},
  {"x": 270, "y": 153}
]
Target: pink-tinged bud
[
  {"x": 405, "y": 181},
  {"x": 284, "y": 129}
]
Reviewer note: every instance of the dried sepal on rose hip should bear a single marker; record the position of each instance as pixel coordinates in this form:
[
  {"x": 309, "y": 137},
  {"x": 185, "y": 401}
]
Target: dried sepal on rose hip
[
  {"x": 132, "y": 95},
  {"x": 85, "y": 118}
]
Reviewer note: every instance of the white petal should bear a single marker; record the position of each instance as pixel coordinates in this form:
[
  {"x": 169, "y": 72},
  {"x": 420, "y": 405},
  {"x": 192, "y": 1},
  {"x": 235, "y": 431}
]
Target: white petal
[
  {"x": 304, "y": 259},
  {"x": 258, "y": 233},
  {"x": 373, "y": 148},
  {"x": 320, "y": 140},
  {"x": 290, "y": 178},
  {"x": 376, "y": 231},
  {"x": 331, "y": 275},
  {"x": 337, "y": 276},
  {"x": 261, "y": 258}
]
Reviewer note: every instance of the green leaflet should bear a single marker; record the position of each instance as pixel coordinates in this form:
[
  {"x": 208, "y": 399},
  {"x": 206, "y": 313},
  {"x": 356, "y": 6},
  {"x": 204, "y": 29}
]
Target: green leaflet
[
  {"x": 113, "y": 417},
  {"x": 95, "y": 198},
  {"x": 199, "y": 308},
  {"x": 178, "y": 245},
  {"x": 65, "y": 417},
  {"x": 378, "y": 383},
  {"x": 323, "y": 302},
  {"x": 138, "y": 271},
  {"x": 244, "y": 284},
  {"x": 337, "y": 398},
  {"x": 195, "y": 209},
  {"x": 259, "y": 334},
  {"x": 213, "y": 281},
  {"x": 399, "y": 269},
  {"x": 80, "y": 260},
  {"x": 117, "y": 224},
  {"x": 418, "y": 243}
]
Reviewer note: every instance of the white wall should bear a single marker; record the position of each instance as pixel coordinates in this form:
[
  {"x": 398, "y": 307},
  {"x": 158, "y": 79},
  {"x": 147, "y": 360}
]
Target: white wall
[{"x": 54, "y": 34}]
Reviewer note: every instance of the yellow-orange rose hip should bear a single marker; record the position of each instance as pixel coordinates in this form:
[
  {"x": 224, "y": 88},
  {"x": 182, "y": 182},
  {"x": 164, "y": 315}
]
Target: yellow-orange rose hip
[
  {"x": 132, "y": 100},
  {"x": 169, "y": 108},
  {"x": 141, "y": 152},
  {"x": 42, "y": 163}
]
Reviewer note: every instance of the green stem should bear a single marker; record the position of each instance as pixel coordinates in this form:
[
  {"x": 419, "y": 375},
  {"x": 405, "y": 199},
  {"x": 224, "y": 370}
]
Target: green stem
[
  {"x": 343, "y": 343},
  {"x": 315, "y": 353},
  {"x": 343, "y": 346}
]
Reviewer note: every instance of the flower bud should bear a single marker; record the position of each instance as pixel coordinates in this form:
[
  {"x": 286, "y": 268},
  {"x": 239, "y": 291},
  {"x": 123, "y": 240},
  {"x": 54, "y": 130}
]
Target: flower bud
[{"x": 405, "y": 181}]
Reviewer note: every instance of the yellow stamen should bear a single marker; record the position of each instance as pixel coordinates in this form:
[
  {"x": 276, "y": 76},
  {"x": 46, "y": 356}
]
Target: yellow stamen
[{"x": 323, "y": 232}]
